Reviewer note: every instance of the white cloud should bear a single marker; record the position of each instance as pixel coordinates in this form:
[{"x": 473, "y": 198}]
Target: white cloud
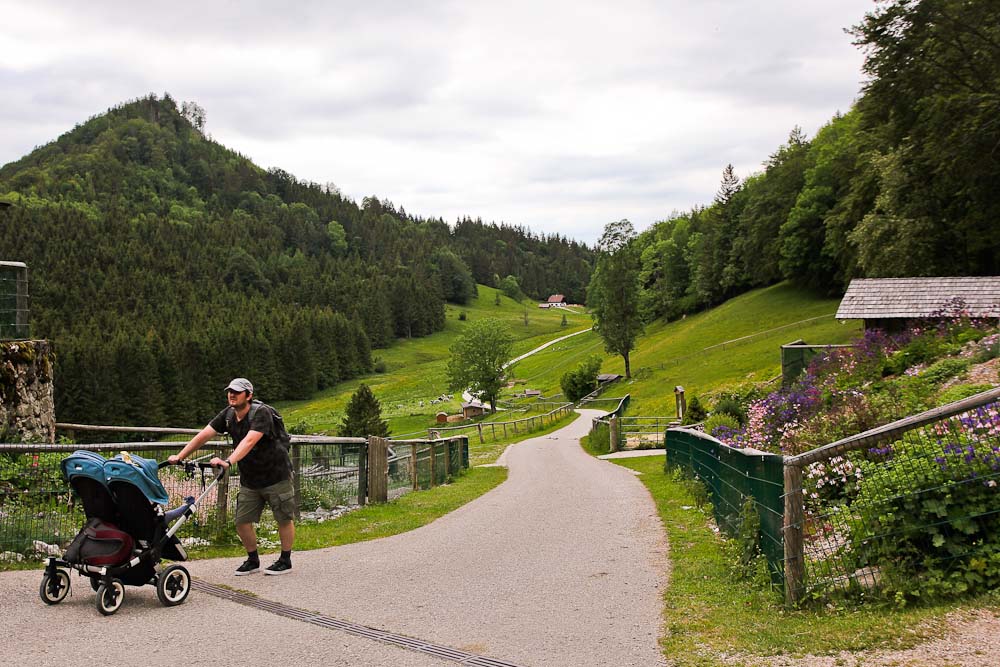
[{"x": 561, "y": 116}]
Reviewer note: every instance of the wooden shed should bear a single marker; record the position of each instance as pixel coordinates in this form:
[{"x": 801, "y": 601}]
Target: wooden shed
[
  {"x": 474, "y": 409},
  {"x": 888, "y": 303}
]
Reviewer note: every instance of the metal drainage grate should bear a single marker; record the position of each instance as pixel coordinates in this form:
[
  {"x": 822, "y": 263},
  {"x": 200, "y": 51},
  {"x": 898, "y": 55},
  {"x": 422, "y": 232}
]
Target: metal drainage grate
[{"x": 402, "y": 641}]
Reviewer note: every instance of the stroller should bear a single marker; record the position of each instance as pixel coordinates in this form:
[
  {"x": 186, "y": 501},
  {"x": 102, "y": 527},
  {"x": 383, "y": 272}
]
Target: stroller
[{"x": 126, "y": 533}]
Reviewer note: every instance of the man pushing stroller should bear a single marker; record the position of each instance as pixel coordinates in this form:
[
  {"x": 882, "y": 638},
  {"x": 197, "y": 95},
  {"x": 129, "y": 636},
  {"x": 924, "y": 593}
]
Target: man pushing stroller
[{"x": 265, "y": 471}]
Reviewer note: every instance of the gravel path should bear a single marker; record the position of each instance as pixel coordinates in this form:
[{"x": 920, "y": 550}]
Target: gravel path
[{"x": 562, "y": 565}]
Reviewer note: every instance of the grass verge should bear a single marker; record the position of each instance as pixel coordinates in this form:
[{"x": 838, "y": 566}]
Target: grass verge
[
  {"x": 404, "y": 514},
  {"x": 713, "y": 618}
]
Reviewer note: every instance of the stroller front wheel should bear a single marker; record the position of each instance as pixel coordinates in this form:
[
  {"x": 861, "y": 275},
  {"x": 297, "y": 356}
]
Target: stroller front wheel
[
  {"x": 110, "y": 597},
  {"x": 173, "y": 585},
  {"x": 55, "y": 587}
]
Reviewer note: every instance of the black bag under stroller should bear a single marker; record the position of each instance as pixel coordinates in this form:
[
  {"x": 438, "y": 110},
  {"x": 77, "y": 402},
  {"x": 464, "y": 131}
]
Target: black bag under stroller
[{"x": 126, "y": 534}]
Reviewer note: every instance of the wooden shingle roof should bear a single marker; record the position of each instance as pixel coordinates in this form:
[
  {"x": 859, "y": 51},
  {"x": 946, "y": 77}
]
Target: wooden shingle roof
[{"x": 885, "y": 298}]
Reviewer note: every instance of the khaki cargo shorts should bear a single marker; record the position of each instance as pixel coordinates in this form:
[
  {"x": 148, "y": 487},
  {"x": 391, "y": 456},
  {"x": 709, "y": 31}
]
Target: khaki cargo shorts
[{"x": 280, "y": 496}]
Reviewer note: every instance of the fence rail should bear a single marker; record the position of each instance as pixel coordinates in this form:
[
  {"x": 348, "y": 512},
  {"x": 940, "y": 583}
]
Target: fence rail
[
  {"x": 330, "y": 475},
  {"x": 911, "y": 507},
  {"x": 917, "y": 497},
  {"x": 517, "y": 426}
]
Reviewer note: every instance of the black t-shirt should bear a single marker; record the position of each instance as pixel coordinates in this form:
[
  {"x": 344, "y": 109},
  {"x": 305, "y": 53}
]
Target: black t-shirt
[{"x": 267, "y": 463}]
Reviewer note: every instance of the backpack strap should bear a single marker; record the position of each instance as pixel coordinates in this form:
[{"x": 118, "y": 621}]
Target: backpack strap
[{"x": 231, "y": 415}]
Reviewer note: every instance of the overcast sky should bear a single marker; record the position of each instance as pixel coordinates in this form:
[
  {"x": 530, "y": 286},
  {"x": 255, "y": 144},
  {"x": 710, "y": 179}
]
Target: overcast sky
[{"x": 559, "y": 116}]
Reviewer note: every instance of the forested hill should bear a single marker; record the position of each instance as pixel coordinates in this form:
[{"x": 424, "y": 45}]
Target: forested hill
[{"x": 163, "y": 263}]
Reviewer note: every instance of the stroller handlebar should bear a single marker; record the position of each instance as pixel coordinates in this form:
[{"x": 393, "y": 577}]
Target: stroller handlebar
[{"x": 190, "y": 466}]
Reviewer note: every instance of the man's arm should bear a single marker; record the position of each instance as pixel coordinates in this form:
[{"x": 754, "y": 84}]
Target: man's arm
[{"x": 194, "y": 444}]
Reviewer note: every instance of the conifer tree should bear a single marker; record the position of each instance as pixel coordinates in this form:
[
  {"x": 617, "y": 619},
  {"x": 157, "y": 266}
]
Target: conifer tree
[{"x": 364, "y": 416}]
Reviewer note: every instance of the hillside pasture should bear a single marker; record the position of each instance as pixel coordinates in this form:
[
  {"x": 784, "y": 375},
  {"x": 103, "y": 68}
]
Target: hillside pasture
[{"x": 416, "y": 369}]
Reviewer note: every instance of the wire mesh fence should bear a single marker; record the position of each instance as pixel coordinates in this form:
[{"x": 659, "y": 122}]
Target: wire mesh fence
[
  {"x": 643, "y": 432},
  {"x": 732, "y": 477},
  {"x": 13, "y": 301},
  {"x": 910, "y": 509},
  {"x": 38, "y": 510}
]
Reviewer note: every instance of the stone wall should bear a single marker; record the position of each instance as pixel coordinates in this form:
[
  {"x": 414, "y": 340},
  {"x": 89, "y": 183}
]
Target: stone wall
[{"x": 27, "y": 408}]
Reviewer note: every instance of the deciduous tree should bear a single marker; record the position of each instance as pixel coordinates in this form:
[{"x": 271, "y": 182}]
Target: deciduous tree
[
  {"x": 478, "y": 357},
  {"x": 613, "y": 294}
]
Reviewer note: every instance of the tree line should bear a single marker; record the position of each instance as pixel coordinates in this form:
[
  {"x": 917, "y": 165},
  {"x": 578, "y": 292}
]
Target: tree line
[
  {"x": 163, "y": 264},
  {"x": 903, "y": 184}
]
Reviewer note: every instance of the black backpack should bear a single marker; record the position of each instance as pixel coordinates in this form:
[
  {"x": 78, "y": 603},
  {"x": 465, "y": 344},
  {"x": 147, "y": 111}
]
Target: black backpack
[{"x": 279, "y": 432}]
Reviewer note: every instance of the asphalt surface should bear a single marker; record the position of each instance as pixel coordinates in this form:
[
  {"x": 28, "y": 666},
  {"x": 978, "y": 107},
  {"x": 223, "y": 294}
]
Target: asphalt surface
[{"x": 563, "y": 564}]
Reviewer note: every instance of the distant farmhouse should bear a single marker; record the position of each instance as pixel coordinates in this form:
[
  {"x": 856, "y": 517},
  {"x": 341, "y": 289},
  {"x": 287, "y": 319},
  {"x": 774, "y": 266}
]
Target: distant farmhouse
[
  {"x": 888, "y": 303},
  {"x": 554, "y": 301}
]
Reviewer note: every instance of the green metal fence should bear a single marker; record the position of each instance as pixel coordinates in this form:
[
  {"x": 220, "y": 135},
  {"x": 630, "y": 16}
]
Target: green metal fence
[
  {"x": 732, "y": 476},
  {"x": 910, "y": 509}
]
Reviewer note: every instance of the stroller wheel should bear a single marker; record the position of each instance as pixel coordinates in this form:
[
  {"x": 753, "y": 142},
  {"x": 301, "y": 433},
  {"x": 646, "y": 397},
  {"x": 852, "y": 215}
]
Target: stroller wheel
[
  {"x": 110, "y": 597},
  {"x": 173, "y": 585},
  {"x": 55, "y": 587}
]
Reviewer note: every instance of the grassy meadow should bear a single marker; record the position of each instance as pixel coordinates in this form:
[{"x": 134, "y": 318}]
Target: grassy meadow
[
  {"x": 668, "y": 354},
  {"x": 674, "y": 353},
  {"x": 415, "y": 369}
]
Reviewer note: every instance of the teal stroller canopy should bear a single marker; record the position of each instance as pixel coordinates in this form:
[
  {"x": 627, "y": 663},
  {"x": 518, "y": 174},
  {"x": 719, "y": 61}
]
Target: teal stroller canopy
[{"x": 136, "y": 470}]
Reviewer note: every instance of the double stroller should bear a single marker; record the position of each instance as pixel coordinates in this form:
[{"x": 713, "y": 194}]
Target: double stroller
[{"x": 126, "y": 533}]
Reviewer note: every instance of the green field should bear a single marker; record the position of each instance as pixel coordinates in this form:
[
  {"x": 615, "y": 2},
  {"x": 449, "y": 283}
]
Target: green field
[
  {"x": 674, "y": 353},
  {"x": 415, "y": 369},
  {"x": 669, "y": 354}
]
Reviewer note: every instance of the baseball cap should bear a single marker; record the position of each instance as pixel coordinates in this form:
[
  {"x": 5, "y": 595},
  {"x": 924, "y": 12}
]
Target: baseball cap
[{"x": 240, "y": 384}]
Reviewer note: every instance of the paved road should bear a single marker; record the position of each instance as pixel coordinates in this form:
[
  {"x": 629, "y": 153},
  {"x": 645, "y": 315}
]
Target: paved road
[{"x": 563, "y": 564}]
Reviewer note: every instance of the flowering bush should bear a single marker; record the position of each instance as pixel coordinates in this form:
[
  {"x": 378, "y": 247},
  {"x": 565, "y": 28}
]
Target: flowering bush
[{"x": 927, "y": 516}]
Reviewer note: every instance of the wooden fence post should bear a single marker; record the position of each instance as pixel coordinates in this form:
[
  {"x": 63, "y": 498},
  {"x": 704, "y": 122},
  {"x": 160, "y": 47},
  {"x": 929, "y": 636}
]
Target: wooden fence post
[
  {"x": 447, "y": 460},
  {"x": 363, "y": 473},
  {"x": 378, "y": 469},
  {"x": 480, "y": 427},
  {"x": 432, "y": 465},
  {"x": 297, "y": 477},
  {"x": 413, "y": 462},
  {"x": 613, "y": 429},
  {"x": 794, "y": 550}
]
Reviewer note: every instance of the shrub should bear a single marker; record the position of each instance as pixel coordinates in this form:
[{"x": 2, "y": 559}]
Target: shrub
[
  {"x": 945, "y": 369},
  {"x": 721, "y": 420},
  {"x": 582, "y": 380},
  {"x": 960, "y": 391},
  {"x": 924, "y": 519},
  {"x": 695, "y": 412},
  {"x": 729, "y": 404}
]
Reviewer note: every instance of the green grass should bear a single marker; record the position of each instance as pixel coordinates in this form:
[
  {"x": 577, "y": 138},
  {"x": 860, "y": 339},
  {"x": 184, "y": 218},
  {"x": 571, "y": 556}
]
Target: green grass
[
  {"x": 709, "y": 613},
  {"x": 416, "y": 368},
  {"x": 671, "y": 354}
]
